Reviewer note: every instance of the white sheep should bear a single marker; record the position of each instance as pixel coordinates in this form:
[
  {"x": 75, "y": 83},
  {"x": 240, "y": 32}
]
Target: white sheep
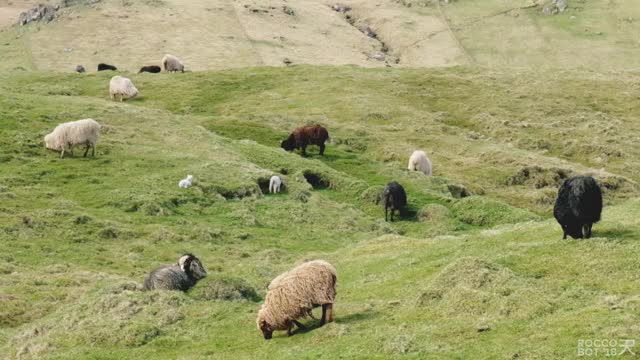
[
  {"x": 274, "y": 184},
  {"x": 67, "y": 135},
  {"x": 172, "y": 63},
  {"x": 123, "y": 87},
  {"x": 420, "y": 162},
  {"x": 186, "y": 183}
]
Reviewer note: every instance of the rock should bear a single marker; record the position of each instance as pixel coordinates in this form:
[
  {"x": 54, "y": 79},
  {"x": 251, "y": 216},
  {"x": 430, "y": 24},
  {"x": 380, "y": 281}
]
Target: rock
[
  {"x": 340, "y": 8},
  {"x": 377, "y": 56},
  {"x": 483, "y": 328},
  {"x": 40, "y": 12},
  {"x": 561, "y": 5},
  {"x": 287, "y": 10},
  {"x": 80, "y": 69},
  {"x": 458, "y": 191}
]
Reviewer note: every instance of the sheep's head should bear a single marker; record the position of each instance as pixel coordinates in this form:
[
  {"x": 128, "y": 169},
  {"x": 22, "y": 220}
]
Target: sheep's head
[
  {"x": 264, "y": 326},
  {"x": 573, "y": 229},
  {"x": 49, "y": 142},
  {"x": 288, "y": 144},
  {"x": 189, "y": 177},
  {"x": 192, "y": 266}
]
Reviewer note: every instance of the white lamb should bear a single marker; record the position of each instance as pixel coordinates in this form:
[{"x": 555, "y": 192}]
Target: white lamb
[
  {"x": 274, "y": 184},
  {"x": 420, "y": 162},
  {"x": 123, "y": 87},
  {"x": 67, "y": 135},
  {"x": 186, "y": 183}
]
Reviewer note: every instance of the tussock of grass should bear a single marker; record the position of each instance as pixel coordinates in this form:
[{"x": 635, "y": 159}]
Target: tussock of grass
[
  {"x": 221, "y": 287},
  {"x": 481, "y": 211}
]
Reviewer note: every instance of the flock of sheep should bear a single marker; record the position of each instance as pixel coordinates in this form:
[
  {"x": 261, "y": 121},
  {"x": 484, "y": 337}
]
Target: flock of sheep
[{"x": 293, "y": 294}]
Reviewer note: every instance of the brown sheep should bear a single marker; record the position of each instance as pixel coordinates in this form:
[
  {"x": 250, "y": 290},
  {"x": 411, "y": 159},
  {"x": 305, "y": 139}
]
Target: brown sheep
[
  {"x": 301, "y": 137},
  {"x": 292, "y": 296}
]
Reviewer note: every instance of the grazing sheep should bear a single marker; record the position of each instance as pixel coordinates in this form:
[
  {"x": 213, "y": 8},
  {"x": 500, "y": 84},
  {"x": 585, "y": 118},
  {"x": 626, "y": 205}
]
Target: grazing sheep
[
  {"x": 67, "y": 135},
  {"x": 150, "y": 69},
  {"x": 420, "y": 162},
  {"x": 80, "y": 69},
  {"x": 186, "y": 183},
  {"x": 181, "y": 276},
  {"x": 172, "y": 63},
  {"x": 123, "y": 87},
  {"x": 274, "y": 184},
  {"x": 292, "y": 296},
  {"x": 394, "y": 198},
  {"x": 103, "y": 67},
  {"x": 301, "y": 137},
  {"x": 578, "y": 206}
]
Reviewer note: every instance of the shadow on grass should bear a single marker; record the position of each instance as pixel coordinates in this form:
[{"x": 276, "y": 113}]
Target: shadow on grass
[
  {"x": 346, "y": 319},
  {"x": 615, "y": 234}
]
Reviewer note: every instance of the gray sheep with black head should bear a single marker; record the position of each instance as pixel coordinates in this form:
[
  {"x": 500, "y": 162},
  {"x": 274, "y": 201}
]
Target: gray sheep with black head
[{"x": 181, "y": 276}]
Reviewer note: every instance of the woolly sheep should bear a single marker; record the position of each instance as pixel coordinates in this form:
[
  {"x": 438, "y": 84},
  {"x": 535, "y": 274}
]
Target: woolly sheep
[
  {"x": 274, "y": 184},
  {"x": 186, "y": 183},
  {"x": 73, "y": 133},
  {"x": 578, "y": 206},
  {"x": 394, "y": 198},
  {"x": 172, "y": 63},
  {"x": 292, "y": 296},
  {"x": 181, "y": 276},
  {"x": 420, "y": 162},
  {"x": 304, "y": 136},
  {"x": 123, "y": 87},
  {"x": 103, "y": 67}
]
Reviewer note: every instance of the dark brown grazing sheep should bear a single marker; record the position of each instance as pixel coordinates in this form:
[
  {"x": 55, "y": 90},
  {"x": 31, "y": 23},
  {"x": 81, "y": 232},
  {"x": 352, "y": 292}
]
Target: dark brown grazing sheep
[
  {"x": 150, "y": 69},
  {"x": 301, "y": 137},
  {"x": 393, "y": 198},
  {"x": 103, "y": 67}
]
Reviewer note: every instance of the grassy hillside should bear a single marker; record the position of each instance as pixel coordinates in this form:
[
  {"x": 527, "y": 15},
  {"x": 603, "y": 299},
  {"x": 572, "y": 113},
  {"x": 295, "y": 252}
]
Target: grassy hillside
[{"x": 478, "y": 248}]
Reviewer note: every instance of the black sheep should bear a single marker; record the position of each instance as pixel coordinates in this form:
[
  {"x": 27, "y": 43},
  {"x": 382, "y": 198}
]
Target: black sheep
[
  {"x": 102, "y": 67},
  {"x": 150, "y": 69},
  {"x": 578, "y": 206},
  {"x": 394, "y": 198}
]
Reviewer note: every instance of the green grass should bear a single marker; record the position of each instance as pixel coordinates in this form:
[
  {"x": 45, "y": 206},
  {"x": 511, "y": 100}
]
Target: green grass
[{"x": 77, "y": 236}]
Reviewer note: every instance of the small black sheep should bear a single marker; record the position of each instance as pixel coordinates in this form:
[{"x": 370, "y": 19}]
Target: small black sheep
[
  {"x": 181, "y": 276},
  {"x": 393, "y": 198},
  {"x": 150, "y": 69},
  {"x": 102, "y": 67},
  {"x": 578, "y": 206}
]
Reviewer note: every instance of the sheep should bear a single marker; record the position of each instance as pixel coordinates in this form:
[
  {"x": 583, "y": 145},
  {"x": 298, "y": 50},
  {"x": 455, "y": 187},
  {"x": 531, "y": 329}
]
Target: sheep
[
  {"x": 186, "y": 183},
  {"x": 274, "y": 184},
  {"x": 181, "y": 276},
  {"x": 578, "y": 206},
  {"x": 172, "y": 63},
  {"x": 67, "y": 135},
  {"x": 150, "y": 69},
  {"x": 103, "y": 67},
  {"x": 394, "y": 198},
  {"x": 301, "y": 137},
  {"x": 80, "y": 69},
  {"x": 123, "y": 87},
  {"x": 420, "y": 162},
  {"x": 292, "y": 296}
]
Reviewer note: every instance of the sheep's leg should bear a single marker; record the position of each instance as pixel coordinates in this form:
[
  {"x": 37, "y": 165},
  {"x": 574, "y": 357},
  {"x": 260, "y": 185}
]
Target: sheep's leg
[
  {"x": 392, "y": 211},
  {"x": 289, "y": 332},
  {"x": 121, "y": 98},
  {"x": 62, "y": 154},
  {"x": 385, "y": 214},
  {"x": 299, "y": 325},
  {"x": 86, "y": 151},
  {"x": 93, "y": 150},
  {"x": 321, "y": 149},
  {"x": 564, "y": 235},
  {"x": 327, "y": 314},
  {"x": 303, "y": 150}
]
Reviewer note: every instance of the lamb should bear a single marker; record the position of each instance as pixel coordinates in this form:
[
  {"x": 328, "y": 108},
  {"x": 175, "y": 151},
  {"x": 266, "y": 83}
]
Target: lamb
[
  {"x": 80, "y": 69},
  {"x": 394, "y": 198},
  {"x": 274, "y": 184},
  {"x": 172, "y": 63},
  {"x": 420, "y": 162},
  {"x": 67, "y": 135},
  {"x": 181, "y": 276},
  {"x": 578, "y": 206},
  {"x": 150, "y": 69},
  {"x": 186, "y": 183},
  {"x": 301, "y": 137},
  {"x": 103, "y": 67},
  {"x": 123, "y": 87},
  {"x": 292, "y": 296}
]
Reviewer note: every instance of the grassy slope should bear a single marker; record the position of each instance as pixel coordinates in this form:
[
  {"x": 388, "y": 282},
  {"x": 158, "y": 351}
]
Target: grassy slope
[{"x": 77, "y": 232}]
